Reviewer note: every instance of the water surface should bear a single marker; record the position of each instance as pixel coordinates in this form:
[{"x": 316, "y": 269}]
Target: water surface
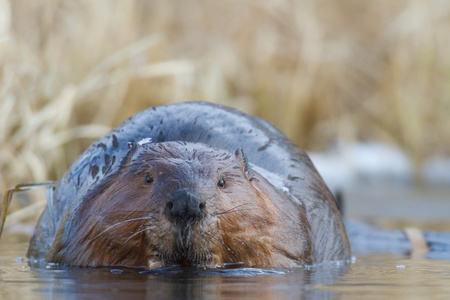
[{"x": 373, "y": 275}]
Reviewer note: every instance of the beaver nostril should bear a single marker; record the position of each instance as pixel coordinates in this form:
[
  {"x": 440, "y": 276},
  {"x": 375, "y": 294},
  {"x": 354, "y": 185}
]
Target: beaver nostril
[
  {"x": 202, "y": 207},
  {"x": 169, "y": 205}
]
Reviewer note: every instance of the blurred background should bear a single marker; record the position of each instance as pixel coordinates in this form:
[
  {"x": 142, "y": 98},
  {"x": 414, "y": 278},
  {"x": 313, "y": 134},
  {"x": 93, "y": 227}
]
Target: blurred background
[{"x": 357, "y": 84}]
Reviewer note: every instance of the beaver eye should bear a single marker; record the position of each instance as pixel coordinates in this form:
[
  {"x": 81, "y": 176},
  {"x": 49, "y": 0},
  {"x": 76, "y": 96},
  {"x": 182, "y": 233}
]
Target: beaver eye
[
  {"x": 148, "y": 179},
  {"x": 222, "y": 184}
]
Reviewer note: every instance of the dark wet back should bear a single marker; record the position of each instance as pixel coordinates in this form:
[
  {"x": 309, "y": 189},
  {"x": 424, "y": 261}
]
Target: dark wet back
[{"x": 197, "y": 122}]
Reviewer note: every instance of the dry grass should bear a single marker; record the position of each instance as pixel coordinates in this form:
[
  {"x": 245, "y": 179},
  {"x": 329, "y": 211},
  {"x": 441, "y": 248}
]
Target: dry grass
[{"x": 353, "y": 69}]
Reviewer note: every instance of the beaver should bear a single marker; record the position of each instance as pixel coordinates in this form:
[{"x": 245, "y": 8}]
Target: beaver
[{"x": 191, "y": 184}]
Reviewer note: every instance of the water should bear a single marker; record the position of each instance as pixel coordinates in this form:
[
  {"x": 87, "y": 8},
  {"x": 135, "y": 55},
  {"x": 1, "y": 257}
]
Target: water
[{"x": 370, "y": 276}]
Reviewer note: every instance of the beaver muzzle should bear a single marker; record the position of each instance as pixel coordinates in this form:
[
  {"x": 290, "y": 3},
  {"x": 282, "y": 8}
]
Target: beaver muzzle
[{"x": 184, "y": 208}]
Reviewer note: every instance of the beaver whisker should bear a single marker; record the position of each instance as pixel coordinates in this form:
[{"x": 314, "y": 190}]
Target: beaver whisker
[
  {"x": 229, "y": 212},
  {"x": 130, "y": 232},
  {"x": 148, "y": 225},
  {"x": 233, "y": 209},
  {"x": 135, "y": 233},
  {"x": 154, "y": 234},
  {"x": 120, "y": 223},
  {"x": 131, "y": 211},
  {"x": 118, "y": 238}
]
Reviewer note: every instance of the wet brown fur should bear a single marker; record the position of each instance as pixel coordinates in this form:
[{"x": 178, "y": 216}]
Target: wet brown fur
[{"x": 122, "y": 221}]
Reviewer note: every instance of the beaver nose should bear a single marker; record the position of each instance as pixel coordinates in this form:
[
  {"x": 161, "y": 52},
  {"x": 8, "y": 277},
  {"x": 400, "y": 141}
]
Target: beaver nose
[{"x": 184, "y": 207}]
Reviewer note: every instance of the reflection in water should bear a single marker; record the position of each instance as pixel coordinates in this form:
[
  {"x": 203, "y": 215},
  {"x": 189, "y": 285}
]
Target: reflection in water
[
  {"x": 18, "y": 280},
  {"x": 371, "y": 276},
  {"x": 188, "y": 283}
]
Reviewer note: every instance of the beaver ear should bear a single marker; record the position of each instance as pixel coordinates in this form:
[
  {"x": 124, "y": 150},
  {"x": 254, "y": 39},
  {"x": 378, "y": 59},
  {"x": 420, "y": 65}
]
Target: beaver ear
[{"x": 242, "y": 157}]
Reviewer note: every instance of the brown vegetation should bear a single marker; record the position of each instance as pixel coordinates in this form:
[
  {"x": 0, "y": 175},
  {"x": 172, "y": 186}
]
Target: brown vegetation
[{"x": 319, "y": 70}]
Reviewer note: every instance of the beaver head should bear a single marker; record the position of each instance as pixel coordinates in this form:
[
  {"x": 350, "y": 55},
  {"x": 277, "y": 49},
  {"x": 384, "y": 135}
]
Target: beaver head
[{"x": 178, "y": 203}]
